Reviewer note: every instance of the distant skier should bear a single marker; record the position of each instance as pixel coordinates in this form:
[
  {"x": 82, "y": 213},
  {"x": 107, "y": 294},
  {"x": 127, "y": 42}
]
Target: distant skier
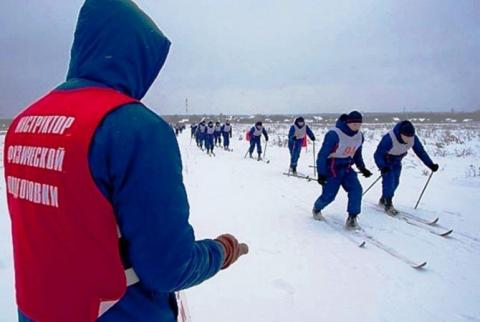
[
  {"x": 209, "y": 137},
  {"x": 342, "y": 147},
  {"x": 393, "y": 147},
  {"x": 193, "y": 129},
  {"x": 227, "y": 135},
  {"x": 297, "y": 134},
  {"x": 218, "y": 134},
  {"x": 200, "y": 134},
  {"x": 255, "y": 139}
]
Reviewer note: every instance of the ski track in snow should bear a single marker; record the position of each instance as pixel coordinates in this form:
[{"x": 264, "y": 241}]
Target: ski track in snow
[{"x": 299, "y": 269}]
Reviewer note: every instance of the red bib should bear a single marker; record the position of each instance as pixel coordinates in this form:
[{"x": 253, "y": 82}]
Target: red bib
[{"x": 64, "y": 231}]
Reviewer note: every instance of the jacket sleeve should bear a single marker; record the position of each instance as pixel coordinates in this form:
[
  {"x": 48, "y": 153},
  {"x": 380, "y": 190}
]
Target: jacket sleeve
[
  {"x": 135, "y": 161},
  {"x": 291, "y": 133},
  {"x": 421, "y": 153},
  {"x": 382, "y": 149},
  {"x": 329, "y": 145},
  {"x": 265, "y": 134},
  {"x": 310, "y": 133}
]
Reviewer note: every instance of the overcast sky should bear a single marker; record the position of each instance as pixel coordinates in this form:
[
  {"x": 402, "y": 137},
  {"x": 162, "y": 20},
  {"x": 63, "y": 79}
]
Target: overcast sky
[{"x": 270, "y": 56}]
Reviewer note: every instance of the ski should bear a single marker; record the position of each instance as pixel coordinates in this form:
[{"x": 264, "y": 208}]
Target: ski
[
  {"x": 334, "y": 225},
  {"x": 300, "y": 176},
  {"x": 360, "y": 232},
  {"x": 426, "y": 227},
  {"x": 430, "y": 222}
]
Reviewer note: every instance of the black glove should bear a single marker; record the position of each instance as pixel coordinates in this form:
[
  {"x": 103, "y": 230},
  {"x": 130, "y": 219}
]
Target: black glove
[
  {"x": 322, "y": 179},
  {"x": 434, "y": 167},
  {"x": 385, "y": 170},
  {"x": 366, "y": 173},
  {"x": 294, "y": 138}
]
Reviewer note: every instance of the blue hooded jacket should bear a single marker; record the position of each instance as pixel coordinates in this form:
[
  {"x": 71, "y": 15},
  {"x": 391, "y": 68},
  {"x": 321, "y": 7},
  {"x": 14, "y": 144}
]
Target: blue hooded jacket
[
  {"x": 385, "y": 160},
  {"x": 330, "y": 144},
  {"x": 135, "y": 161}
]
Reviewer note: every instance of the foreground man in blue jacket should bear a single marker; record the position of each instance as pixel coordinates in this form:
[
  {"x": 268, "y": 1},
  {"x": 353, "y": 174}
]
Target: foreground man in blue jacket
[
  {"x": 341, "y": 148},
  {"x": 393, "y": 147},
  {"x": 134, "y": 162}
]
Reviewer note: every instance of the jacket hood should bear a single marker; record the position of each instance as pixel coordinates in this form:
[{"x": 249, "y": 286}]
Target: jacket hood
[
  {"x": 117, "y": 45},
  {"x": 344, "y": 127}
]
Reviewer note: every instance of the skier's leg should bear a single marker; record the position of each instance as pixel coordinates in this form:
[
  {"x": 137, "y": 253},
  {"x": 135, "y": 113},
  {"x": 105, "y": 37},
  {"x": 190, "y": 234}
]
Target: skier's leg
[
  {"x": 252, "y": 147},
  {"x": 352, "y": 186},
  {"x": 396, "y": 171},
  {"x": 291, "y": 145},
  {"x": 387, "y": 185},
  {"x": 297, "y": 148},
  {"x": 329, "y": 192},
  {"x": 259, "y": 146}
]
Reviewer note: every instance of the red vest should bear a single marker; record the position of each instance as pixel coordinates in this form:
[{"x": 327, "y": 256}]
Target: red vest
[{"x": 64, "y": 231}]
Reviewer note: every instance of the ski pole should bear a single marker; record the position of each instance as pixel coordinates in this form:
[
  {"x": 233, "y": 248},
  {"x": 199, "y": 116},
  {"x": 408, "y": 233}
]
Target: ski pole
[
  {"x": 314, "y": 163},
  {"x": 265, "y": 151},
  {"x": 424, "y": 188},
  {"x": 371, "y": 186}
]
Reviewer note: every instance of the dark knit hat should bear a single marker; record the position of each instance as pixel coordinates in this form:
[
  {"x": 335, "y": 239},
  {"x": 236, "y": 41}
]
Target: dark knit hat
[
  {"x": 407, "y": 128},
  {"x": 354, "y": 117},
  {"x": 259, "y": 123}
]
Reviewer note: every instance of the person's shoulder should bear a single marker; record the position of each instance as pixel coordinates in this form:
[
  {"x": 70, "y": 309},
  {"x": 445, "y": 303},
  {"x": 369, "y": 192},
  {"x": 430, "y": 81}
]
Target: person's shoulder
[{"x": 136, "y": 116}]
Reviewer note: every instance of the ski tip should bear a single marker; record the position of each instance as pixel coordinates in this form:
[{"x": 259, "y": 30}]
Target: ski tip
[
  {"x": 447, "y": 233},
  {"x": 433, "y": 222},
  {"x": 362, "y": 244},
  {"x": 419, "y": 266}
]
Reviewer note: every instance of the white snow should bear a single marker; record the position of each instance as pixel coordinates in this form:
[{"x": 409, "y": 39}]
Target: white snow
[{"x": 302, "y": 270}]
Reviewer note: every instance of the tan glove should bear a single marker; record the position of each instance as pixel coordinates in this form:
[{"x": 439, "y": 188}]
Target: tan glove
[{"x": 233, "y": 249}]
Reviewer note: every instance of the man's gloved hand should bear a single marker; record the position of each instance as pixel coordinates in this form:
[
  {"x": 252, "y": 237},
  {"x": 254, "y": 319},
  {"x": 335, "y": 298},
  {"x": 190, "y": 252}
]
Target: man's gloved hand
[
  {"x": 233, "y": 249},
  {"x": 385, "y": 170},
  {"x": 434, "y": 167},
  {"x": 322, "y": 179},
  {"x": 366, "y": 173}
]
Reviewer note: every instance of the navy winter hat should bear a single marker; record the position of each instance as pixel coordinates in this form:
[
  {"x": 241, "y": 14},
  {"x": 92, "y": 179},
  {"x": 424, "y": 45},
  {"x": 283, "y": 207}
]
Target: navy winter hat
[
  {"x": 300, "y": 119},
  {"x": 407, "y": 128},
  {"x": 259, "y": 123},
  {"x": 354, "y": 117}
]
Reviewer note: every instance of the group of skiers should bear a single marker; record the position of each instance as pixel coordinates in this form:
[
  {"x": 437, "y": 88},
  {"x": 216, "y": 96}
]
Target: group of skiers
[
  {"x": 342, "y": 148},
  {"x": 209, "y": 135}
]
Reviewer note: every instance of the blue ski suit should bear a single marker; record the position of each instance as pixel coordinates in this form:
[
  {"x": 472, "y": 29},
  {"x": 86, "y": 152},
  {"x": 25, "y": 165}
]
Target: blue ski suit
[
  {"x": 295, "y": 142},
  {"x": 135, "y": 162},
  {"x": 339, "y": 172},
  {"x": 391, "y": 165},
  {"x": 255, "y": 139},
  {"x": 209, "y": 138}
]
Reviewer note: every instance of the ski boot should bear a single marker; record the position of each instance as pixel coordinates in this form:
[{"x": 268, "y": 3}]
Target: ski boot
[
  {"x": 293, "y": 169},
  {"x": 317, "y": 214},
  {"x": 389, "y": 209},
  {"x": 259, "y": 158},
  {"x": 251, "y": 156},
  {"x": 352, "y": 223},
  {"x": 381, "y": 202}
]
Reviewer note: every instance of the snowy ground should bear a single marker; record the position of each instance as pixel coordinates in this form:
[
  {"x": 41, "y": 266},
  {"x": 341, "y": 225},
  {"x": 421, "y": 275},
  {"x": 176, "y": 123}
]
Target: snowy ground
[{"x": 302, "y": 270}]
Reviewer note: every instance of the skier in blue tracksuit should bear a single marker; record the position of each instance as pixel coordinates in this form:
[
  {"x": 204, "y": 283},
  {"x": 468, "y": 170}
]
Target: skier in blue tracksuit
[
  {"x": 342, "y": 147},
  {"x": 218, "y": 134},
  {"x": 209, "y": 137},
  {"x": 135, "y": 162},
  {"x": 227, "y": 134},
  {"x": 296, "y": 135},
  {"x": 390, "y": 151},
  {"x": 255, "y": 139},
  {"x": 201, "y": 133}
]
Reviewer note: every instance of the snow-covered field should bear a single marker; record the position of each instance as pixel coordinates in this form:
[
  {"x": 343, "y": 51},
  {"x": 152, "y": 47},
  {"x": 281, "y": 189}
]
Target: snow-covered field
[{"x": 302, "y": 270}]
